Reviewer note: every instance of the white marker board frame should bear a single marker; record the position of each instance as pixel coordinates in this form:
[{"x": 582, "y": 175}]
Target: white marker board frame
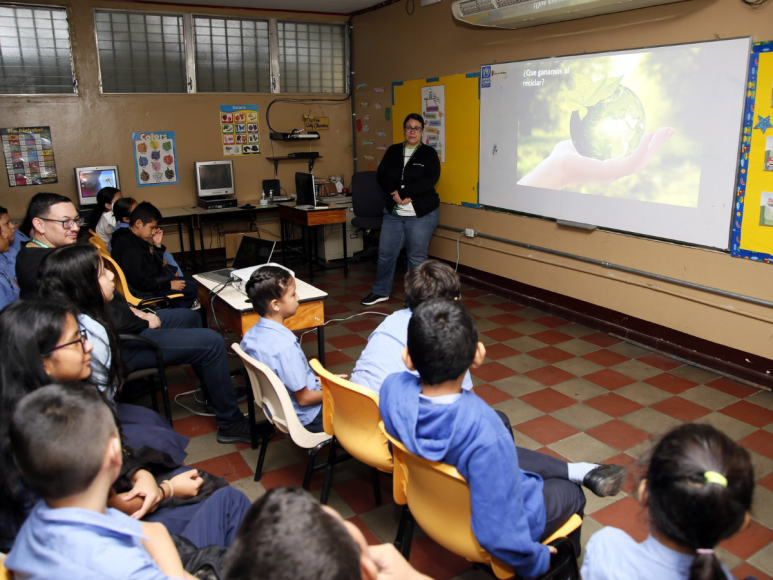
[{"x": 715, "y": 97}]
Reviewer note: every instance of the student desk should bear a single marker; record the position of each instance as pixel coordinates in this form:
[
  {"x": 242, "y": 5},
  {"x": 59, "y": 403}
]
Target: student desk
[
  {"x": 308, "y": 220},
  {"x": 234, "y": 308}
]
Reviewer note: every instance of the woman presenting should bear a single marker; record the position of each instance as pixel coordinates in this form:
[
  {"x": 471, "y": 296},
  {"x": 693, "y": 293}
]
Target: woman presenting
[{"x": 408, "y": 174}]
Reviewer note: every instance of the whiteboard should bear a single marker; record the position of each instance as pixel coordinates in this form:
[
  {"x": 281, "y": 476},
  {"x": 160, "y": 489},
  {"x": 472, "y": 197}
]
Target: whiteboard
[{"x": 643, "y": 141}]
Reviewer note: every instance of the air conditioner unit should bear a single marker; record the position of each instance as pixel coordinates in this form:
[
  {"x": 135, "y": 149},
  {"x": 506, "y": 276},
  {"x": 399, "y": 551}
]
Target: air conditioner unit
[{"x": 525, "y": 13}]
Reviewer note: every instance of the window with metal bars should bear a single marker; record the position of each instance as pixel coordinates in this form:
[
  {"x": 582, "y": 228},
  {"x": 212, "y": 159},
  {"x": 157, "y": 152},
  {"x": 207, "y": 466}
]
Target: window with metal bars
[
  {"x": 140, "y": 52},
  {"x": 311, "y": 57},
  {"x": 35, "y": 53},
  {"x": 232, "y": 55}
]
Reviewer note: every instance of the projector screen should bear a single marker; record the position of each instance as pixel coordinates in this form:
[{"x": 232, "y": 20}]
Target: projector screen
[{"x": 644, "y": 141}]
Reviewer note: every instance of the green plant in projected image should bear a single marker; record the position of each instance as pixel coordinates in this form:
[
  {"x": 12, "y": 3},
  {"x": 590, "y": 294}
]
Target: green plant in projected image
[{"x": 617, "y": 126}]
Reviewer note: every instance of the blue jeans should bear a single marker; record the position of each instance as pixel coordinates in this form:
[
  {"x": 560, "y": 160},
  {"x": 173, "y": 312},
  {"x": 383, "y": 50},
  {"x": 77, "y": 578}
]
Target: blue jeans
[
  {"x": 415, "y": 232},
  {"x": 183, "y": 341}
]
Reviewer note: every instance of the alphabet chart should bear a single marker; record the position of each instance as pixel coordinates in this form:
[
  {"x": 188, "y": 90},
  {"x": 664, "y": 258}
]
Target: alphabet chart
[
  {"x": 155, "y": 158},
  {"x": 29, "y": 156}
]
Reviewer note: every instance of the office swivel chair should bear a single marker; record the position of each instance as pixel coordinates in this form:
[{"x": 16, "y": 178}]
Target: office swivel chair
[{"x": 368, "y": 202}]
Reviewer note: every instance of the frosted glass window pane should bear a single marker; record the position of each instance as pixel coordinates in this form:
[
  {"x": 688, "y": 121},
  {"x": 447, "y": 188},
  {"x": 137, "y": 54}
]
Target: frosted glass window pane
[{"x": 305, "y": 50}]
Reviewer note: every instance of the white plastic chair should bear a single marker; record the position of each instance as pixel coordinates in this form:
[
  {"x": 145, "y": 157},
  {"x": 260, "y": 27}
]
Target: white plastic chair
[{"x": 273, "y": 397}]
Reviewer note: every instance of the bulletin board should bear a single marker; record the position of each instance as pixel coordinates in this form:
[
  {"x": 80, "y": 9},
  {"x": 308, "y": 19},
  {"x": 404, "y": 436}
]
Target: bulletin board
[
  {"x": 459, "y": 124},
  {"x": 753, "y": 225}
]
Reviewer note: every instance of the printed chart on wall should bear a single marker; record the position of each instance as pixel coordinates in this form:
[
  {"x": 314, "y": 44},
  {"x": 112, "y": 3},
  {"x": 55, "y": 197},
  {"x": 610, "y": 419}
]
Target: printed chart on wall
[
  {"x": 433, "y": 109},
  {"x": 155, "y": 158},
  {"x": 29, "y": 156},
  {"x": 753, "y": 223},
  {"x": 239, "y": 130},
  {"x": 451, "y": 109}
]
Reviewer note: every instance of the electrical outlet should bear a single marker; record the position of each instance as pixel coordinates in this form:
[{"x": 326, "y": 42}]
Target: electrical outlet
[{"x": 470, "y": 233}]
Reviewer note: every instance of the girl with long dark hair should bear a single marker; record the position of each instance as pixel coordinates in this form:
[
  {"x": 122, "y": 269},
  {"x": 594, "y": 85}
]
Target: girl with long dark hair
[{"x": 102, "y": 220}]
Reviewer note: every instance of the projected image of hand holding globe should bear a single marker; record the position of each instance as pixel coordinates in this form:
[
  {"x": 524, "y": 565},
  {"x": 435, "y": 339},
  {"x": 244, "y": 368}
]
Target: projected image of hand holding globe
[{"x": 608, "y": 140}]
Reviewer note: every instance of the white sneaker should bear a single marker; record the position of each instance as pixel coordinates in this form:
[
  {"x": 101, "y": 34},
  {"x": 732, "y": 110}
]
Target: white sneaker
[{"x": 196, "y": 305}]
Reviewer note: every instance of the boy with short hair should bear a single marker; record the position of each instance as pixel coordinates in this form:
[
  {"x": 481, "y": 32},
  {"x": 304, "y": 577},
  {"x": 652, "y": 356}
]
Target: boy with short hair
[
  {"x": 140, "y": 254},
  {"x": 518, "y": 496},
  {"x": 267, "y": 546},
  {"x": 65, "y": 441},
  {"x": 271, "y": 289},
  {"x": 383, "y": 354}
]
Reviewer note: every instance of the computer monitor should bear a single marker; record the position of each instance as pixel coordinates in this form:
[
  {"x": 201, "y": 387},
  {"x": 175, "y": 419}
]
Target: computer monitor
[
  {"x": 91, "y": 179},
  {"x": 214, "y": 178},
  {"x": 304, "y": 189}
]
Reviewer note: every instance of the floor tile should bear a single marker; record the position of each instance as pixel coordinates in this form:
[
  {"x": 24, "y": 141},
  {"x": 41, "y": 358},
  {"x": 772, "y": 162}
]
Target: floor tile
[
  {"x": 670, "y": 383},
  {"x": 733, "y": 428},
  {"x": 576, "y": 330},
  {"x": 626, "y": 515},
  {"x": 583, "y": 447},
  {"x": 609, "y": 379},
  {"x": 205, "y": 447},
  {"x": 760, "y": 441},
  {"x": 279, "y": 454},
  {"x": 429, "y": 558},
  {"x": 636, "y": 369},
  {"x": 578, "y": 366},
  {"x": 509, "y": 306},
  {"x": 681, "y": 409},
  {"x": 629, "y": 350},
  {"x": 518, "y": 385},
  {"x": 491, "y": 394},
  {"x": 527, "y": 327},
  {"x": 578, "y": 347},
  {"x": 524, "y": 343},
  {"x": 549, "y": 375},
  {"x": 346, "y": 341},
  {"x": 383, "y": 521},
  {"x": 471, "y": 304},
  {"x": 619, "y": 435},
  {"x": 358, "y": 493},
  {"x": 766, "y": 482},
  {"x": 643, "y": 393},
  {"x": 230, "y": 467},
  {"x": 335, "y": 358},
  {"x": 194, "y": 426},
  {"x": 694, "y": 374},
  {"x": 486, "y": 311},
  {"x": 708, "y": 397},
  {"x": 605, "y": 358},
  {"x": 581, "y": 417},
  {"x": 361, "y": 325},
  {"x": 659, "y": 361},
  {"x": 252, "y": 489},
  {"x": 546, "y": 430},
  {"x": 732, "y": 387},
  {"x": 472, "y": 293},
  {"x": 601, "y": 339},
  {"x": 763, "y": 560},
  {"x": 748, "y": 542},
  {"x": 529, "y": 313},
  {"x": 651, "y": 421},
  {"x": 550, "y": 355},
  {"x": 502, "y": 334},
  {"x": 499, "y": 351},
  {"x": 745, "y": 570},
  {"x": 551, "y": 337},
  {"x": 613, "y": 405},
  {"x": 518, "y": 411},
  {"x": 548, "y": 400},
  {"x": 492, "y": 371},
  {"x": 762, "y": 398},
  {"x": 749, "y": 413},
  {"x": 506, "y": 319},
  {"x": 522, "y": 363},
  {"x": 551, "y": 321},
  {"x": 549, "y": 451},
  {"x": 580, "y": 389}
]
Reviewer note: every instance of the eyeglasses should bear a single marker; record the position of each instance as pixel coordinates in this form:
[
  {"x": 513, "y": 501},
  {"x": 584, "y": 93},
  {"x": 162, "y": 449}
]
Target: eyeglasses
[
  {"x": 67, "y": 224},
  {"x": 83, "y": 338},
  {"x": 415, "y": 129}
]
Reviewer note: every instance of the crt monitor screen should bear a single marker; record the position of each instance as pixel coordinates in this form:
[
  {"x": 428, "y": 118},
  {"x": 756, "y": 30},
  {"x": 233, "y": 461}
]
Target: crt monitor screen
[
  {"x": 92, "y": 179},
  {"x": 215, "y": 177},
  {"x": 304, "y": 189}
]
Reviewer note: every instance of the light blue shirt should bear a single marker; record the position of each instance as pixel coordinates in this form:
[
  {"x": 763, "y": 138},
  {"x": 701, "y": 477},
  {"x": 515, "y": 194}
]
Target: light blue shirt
[
  {"x": 384, "y": 353},
  {"x": 9, "y": 289},
  {"x": 100, "y": 355},
  {"x": 277, "y": 348},
  {"x": 82, "y": 544},
  {"x": 612, "y": 554}
]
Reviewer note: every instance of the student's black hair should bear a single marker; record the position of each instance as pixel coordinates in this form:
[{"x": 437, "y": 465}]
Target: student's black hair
[
  {"x": 104, "y": 196},
  {"x": 267, "y": 284},
  {"x": 123, "y": 208},
  {"x": 442, "y": 340},
  {"x": 59, "y": 435},
  {"x": 287, "y": 535},
  {"x": 28, "y": 330},
  {"x": 70, "y": 275},
  {"x": 145, "y": 212},
  {"x": 415, "y": 117},
  {"x": 39, "y": 206},
  {"x": 3, "y": 210},
  {"x": 430, "y": 279},
  {"x": 686, "y": 506}
]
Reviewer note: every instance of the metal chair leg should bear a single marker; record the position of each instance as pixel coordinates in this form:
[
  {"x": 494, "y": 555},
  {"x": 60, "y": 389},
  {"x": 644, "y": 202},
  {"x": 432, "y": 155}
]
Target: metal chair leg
[
  {"x": 263, "y": 449},
  {"x": 310, "y": 464},
  {"x": 328, "y": 472},
  {"x": 404, "y": 515},
  {"x": 376, "y": 485},
  {"x": 406, "y": 549}
]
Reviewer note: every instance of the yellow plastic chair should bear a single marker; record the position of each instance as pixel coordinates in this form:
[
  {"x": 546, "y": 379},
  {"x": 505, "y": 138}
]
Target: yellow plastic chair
[
  {"x": 274, "y": 398},
  {"x": 350, "y": 413},
  {"x": 123, "y": 286},
  {"x": 439, "y": 501},
  {"x": 5, "y": 573},
  {"x": 98, "y": 243}
]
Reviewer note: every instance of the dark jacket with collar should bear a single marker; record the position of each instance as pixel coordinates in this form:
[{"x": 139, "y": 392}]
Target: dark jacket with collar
[
  {"x": 143, "y": 268},
  {"x": 419, "y": 178}
]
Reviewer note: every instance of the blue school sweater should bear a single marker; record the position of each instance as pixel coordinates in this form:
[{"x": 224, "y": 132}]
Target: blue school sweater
[{"x": 508, "y": 512}]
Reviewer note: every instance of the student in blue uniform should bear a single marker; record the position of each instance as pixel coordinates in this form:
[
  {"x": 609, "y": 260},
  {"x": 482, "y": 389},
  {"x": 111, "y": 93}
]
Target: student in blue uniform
[
  {"x": 518, "y": 497},
  {"x": 384, "y": 353},
  {"x": 698, "y": 489},
  {"x": 9, "y": 247},
  {"x": 271, "y": 289}
]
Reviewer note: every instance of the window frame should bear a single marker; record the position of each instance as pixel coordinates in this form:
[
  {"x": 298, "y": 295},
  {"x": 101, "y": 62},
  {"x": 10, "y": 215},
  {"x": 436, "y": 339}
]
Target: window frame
[
  {"x": 75, "y": 87},
  {"x": 190, "y": 50}
]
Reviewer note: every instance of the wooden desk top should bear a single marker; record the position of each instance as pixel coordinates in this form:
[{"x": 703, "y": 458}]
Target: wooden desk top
[{"x": 335, "y": 214}]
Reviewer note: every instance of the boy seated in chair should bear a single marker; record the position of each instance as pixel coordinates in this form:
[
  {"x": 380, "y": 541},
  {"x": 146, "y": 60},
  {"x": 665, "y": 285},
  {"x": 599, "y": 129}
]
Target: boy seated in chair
[
  {"x": 518, "y": 496},
  {"x": 66, "y": 444},
  {"x": 140, "y": 254}
]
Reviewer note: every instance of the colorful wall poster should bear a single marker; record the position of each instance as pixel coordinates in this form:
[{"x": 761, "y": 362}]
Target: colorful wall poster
[
  {"x": 155, "y": 158},
  {"x": 433, "y": 109},
  {"x": 752, "y": 236},
  {"x": 240, "y": 130},
  {"x": 29, "y": 156}
]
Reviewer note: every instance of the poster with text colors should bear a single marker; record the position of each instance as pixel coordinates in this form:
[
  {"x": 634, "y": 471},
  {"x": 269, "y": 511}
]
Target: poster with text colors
[
  {"x": 458, "y": 182},
  {"x": 239, "y": 130},
  {"x": 433, "y": 109},
  {"x": 752, "y": 231},
  {"x": 29, "y": 156},
  {"x": 155, "y": 158}
]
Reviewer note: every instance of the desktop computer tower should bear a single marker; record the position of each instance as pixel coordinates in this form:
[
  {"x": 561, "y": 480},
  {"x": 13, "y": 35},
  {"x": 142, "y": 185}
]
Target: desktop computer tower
[{"x": 330, "y": 244}]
